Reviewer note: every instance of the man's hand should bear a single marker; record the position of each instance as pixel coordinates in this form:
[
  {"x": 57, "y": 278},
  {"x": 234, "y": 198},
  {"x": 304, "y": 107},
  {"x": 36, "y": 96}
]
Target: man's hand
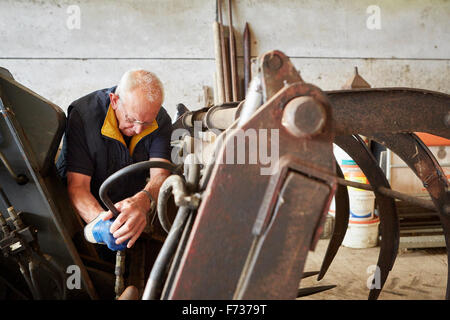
[{"x": 132, "y": 218}]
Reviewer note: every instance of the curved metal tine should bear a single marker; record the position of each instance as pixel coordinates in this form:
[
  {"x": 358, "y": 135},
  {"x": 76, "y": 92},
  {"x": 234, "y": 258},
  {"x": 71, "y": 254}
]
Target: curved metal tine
[
  {"x": 340, "y": 224},
  {"x": 417, "y": 156},
  {"x": 303, "y": 292},
  {"x": 357, "y": 149}
]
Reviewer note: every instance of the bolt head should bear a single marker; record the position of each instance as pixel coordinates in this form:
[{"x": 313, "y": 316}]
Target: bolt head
[
  {"x": 304, "y": 117},
  {"x": 274, "y": 62}
]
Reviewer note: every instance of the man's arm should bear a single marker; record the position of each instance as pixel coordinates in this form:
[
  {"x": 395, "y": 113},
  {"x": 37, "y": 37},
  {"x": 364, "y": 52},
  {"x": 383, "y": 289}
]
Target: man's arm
[
  {"x": 132, "y": 219},
  {"x": 79, "y": 189}
]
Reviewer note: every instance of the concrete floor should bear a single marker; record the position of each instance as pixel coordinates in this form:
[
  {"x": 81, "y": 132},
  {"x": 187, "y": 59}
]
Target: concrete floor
[{"x": 418, "y": 274}]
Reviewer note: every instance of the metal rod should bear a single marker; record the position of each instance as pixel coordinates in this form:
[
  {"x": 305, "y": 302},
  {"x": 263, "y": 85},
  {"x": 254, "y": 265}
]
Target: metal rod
[
  {"x": 226, "y": 76},
  {"x": 17, "y": 221},
  {"x": 20, "y": 179},
  {"x": 219, "y": 81},
  {"x": 234, "y": 80},
  {"x": 427, "y": 204},
  {"x": 5, "y": 228},
  {"x": 119, "y": 271},
  {"x": 247, "y": 55},
  {"x": 303, "y": 292},
  {"x": 308, "y": 274}
]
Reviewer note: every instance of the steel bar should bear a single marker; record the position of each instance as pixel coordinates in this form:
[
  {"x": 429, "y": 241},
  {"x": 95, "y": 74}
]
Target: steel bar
[
  {"x": 219, "y": 82},
  {"x": 234, "y": 79},
  {"x": 20, "y": 179},
  {"x": 420, "y": 159},
  {"x": 308, "y": 274},
  {"x": 340, "y": 224},
  {"x": 427, "y": 204},
  {"x": 247, "y": 55},
  {"x": 355, "y": 147},
  {"x": 390, "y": 110},
  {"x": 303, "y": 292},
  {"x": 119, "y": 271},
  {"x": 225, "y": 71}
]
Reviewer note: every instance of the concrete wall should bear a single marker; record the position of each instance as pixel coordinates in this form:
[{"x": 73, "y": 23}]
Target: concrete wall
[{"x": 325, "y": 40}]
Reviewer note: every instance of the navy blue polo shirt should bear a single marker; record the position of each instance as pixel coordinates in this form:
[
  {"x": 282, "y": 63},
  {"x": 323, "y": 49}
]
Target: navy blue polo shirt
[{"x": 94, "y": 146}]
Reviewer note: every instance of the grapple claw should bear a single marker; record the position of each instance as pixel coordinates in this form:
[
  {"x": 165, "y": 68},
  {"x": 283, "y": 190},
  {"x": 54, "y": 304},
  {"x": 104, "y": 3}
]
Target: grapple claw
[
  {"x": 357, "y": 149},
  {"x": 340, "y": 225},
  {"x": 309, "y": 274},
  {"x": 303, "y": 292},
  {"x": 420, "y": 159}
]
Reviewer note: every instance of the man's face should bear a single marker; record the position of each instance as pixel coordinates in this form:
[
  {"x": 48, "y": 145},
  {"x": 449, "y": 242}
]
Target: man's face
[{"x": 134, "y": 112}]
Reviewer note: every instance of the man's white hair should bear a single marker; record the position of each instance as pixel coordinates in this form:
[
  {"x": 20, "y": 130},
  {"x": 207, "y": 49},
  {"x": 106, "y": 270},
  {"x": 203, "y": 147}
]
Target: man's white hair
[{"x": 143, "y": 79}]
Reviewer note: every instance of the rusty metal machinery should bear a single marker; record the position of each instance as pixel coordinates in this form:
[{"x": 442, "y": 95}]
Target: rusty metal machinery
[
  {"x": 248, "y": 213},
  {"x": 250, "y": 236}
]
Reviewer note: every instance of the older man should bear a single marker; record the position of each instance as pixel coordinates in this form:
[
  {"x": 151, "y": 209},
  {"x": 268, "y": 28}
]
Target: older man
[{"x": 107, "y": 130}]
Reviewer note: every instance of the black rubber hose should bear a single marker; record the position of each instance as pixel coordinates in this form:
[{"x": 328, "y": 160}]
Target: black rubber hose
[
  {"x": 26, "y": 276},
  {"x": 54, "y": 273},
  {"x": 14, "y": 289},
  {"x": 143, "y": 165},
  {"x": 161, "y": 210},
  {"x": 33, "y": 277},
  {"x": 193, "y": 175},
  {"x": 155, "y": 280},
  {"x": 61, "y": 273}
]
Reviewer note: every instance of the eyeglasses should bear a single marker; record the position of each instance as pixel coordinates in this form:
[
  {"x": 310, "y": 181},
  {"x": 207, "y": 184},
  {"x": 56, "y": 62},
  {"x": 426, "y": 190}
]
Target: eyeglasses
[{"x": 129, "y": 120}]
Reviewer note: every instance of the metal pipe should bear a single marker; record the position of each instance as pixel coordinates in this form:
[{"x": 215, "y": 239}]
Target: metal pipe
[
  {"x": 155, "y": 280},
  {"x": 226, "y": 76},
  {"x": 173, "y": 185},
  {"x": 253, "y": 100},
  {"x": 17, "y": 221},
  {"x": 220, "y": 91},
  {"x": 4, "y": 225},
  {"x": 193, "y": 176},
  {"x": 119, "y": 271},
  {"x": 247, "y": 55},
  {"x": 220, "y": 118},
  {"x": 234, "y": 80},
  {"x": 427, "y": 204},
  {"x": 20, "y": 179}
]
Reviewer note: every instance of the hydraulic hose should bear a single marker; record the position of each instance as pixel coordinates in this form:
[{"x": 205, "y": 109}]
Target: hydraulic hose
[
  {"x": 14, "y": 289},
  {"x": 143, "y": 165},
  {"x": 33, "y": 278},
  {"x": 103, "y": 193},
  {"x": 180, "y": 190},
  {"x": 26, "y": 275},
  {"x": 154, "y": 284},
  {"x": 54, "y": 273},
  {"x": 172, "y": 185}
]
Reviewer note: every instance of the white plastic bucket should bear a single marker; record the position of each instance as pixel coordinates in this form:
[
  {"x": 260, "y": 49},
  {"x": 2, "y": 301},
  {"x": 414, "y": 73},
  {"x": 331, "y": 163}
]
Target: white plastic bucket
[
  {"x": 362, "y": 202},
  {"x": 362, "y": 234}
]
